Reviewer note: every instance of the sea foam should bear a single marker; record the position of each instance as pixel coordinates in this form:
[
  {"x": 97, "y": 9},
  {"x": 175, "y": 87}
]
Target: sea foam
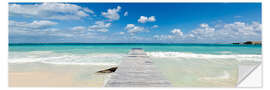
[
  {"x": 65, "y": 58},
  {"x": 112, "y": 58},
  {"x": 187, "y": 55}
]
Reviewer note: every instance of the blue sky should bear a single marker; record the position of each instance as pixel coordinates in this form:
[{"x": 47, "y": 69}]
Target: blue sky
[{"x": 134, "y": 22}]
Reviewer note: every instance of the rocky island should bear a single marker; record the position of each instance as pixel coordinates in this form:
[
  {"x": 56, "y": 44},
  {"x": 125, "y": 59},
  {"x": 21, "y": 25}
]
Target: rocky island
[{"x": 250, "y": 43}]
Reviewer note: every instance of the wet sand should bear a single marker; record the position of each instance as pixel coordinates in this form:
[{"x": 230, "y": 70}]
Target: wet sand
[{"x": 49, "y": 75}]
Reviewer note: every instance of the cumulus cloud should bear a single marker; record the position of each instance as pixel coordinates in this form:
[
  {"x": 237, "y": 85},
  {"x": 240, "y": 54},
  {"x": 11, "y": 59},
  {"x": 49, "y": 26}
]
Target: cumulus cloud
[
  {"x": 88, "y": 10},
  {"x": 177, "y": 32},
  {"x": 36, "y": 31},
  {"x": 241, "y": 30},
  {"x": 126, "y": 13},
  {"x": 163, "y": 37},
  {"x": 144, "y": 19},
  {"x": 112, "y": 14},
  {"x": 34, "y": 24},
  {"x": 140, "y": 38},
  {"x": 78, "y": 28},
  {"x": 60, "y": 11},
  {"x": 35, "y": 28},
  {"x": 100, "y": 26},
  {"x": 121, "y": 33},
  {"x": 154, "y": 26},
  {"x": 132, "y": 29},
  {"x": 203, "y": 32},
  {"x": 231, "y": 32}
]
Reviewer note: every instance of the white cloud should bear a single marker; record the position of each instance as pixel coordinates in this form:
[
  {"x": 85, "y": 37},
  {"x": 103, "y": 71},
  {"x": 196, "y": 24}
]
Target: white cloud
[
  {"x": 232, "y": 32},
  {"x": 42, "y": 23},
  {"x": 44, "y": 31},
  {"x": 163, "y": 37},
  {"x": 78, "y": 28},
  {"x": 60, "y": 11},
  {"x": 140, "y": 38},
  {"x": 204, "y": 25},
  {"x": 35, "y": 28},
  {"x": 88, "y": 10},
  {"x": 154, "y": 26},
  {"x": 177, "y": 32},
  {"x": 241, "y": 30},
  {"x": 62, "y": 34},
  {"x": 100, "y": 26},
  {"x": 132, "y": 29},
  {"x": 121, "y": 33},
  {"x": 225, "y": 33},
  {"x": 34, "y": 24},
  {"x": 144, "y": 19},
  {"x": 112, "y": 14},
  {"x": 129, "y": 26},
  {"x": 152, "y": 19},
  {"x": 203, "y": 32},
  {"x": 126, "y": 13}
]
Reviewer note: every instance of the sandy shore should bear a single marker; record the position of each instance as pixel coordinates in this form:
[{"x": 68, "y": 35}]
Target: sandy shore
[
  {"x": 48, "y": 75},
  {"x": 182, "y": 73}
]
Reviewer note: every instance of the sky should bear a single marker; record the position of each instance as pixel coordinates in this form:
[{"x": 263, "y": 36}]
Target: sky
[{"x": 134, "y": 22}]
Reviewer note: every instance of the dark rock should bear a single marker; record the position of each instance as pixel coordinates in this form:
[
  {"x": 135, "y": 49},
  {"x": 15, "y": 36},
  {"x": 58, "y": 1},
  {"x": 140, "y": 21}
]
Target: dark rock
[
  {"x": 253, "y": 42},
  {"x": 110, "y": 70},
  {"x": 250, "y": 43},
  {"x": 235, "y": 43}
]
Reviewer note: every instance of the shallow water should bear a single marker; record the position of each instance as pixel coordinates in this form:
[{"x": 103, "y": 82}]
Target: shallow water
[
  {"x": 198, "y": 73},
  {"x": 185, "y": 65}
]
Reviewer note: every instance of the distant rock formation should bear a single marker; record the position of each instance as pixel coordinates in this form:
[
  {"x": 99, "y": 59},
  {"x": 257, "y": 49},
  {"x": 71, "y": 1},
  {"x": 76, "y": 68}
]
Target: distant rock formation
[
  {"x": 110, "y": 70},
  {"x": 250, "y": 43},
  {"x": 253, "y": 42}
]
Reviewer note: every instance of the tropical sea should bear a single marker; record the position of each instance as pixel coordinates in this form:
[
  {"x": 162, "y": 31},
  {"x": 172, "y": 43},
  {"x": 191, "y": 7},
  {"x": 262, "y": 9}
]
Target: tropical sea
[{"x": 184, "y": 65}]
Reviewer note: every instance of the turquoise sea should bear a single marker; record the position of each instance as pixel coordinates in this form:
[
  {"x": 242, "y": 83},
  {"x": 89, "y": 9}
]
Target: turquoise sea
[
  {"x": 110, "y": 53},
  {"x": 187, "y": 65}
]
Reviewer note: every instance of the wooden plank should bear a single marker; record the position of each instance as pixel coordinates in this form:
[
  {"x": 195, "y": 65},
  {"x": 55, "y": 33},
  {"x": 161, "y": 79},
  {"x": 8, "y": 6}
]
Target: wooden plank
[{"x": 137, "y": 70}]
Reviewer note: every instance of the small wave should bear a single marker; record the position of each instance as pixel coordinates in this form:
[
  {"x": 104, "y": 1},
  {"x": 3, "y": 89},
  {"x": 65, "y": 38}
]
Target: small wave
[
  {"x": 65, "y": 58},
  {"x": 225, "y": 52},
  {"x": 203, "y": 56},
  {"x": 74, "y": 63}
]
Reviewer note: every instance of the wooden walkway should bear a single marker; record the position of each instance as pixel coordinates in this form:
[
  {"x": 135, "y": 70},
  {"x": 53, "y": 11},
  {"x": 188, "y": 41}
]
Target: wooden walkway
[{"x": 137, "y": 70}]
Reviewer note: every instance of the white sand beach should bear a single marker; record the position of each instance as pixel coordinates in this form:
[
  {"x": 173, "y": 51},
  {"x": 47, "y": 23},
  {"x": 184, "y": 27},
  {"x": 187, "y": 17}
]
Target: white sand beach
[{"x": 46, "y": 75}]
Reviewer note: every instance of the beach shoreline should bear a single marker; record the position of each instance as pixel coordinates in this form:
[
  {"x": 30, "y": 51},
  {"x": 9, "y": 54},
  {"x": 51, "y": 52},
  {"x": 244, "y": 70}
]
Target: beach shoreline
[
  {"x": 48, "y": 75},
  {"x": 76, "y": 65}
]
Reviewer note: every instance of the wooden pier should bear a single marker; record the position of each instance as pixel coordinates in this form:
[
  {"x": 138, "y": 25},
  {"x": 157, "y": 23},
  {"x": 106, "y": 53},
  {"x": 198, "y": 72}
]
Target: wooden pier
[{"x": 137, "y": 70}]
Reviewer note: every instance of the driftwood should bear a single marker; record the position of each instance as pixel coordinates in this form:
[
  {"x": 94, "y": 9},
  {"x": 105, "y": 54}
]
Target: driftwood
[{"x": 110, "y": 70}]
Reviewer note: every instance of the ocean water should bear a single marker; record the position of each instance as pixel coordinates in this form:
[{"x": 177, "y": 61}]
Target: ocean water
[
  {"x": 188, "y": 65},
  {"x": 77, "y": 53}
]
